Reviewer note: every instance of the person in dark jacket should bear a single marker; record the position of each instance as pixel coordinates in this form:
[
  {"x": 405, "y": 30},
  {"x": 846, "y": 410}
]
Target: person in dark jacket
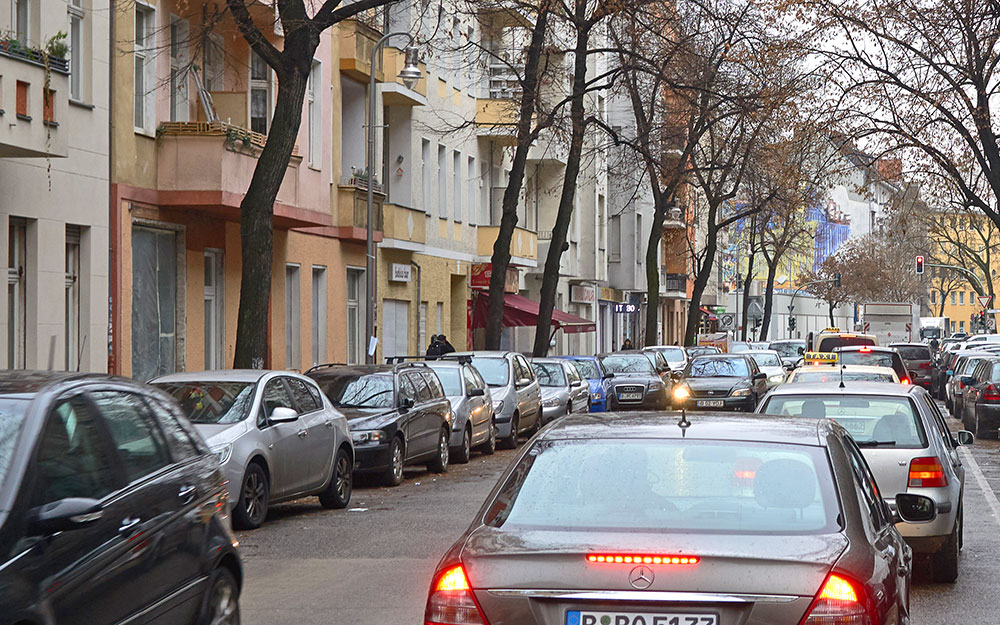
[
  {"x": 434, "y": 349},
  {"x": 446, "y": 347},
  {"x": 627, "y": 344}
]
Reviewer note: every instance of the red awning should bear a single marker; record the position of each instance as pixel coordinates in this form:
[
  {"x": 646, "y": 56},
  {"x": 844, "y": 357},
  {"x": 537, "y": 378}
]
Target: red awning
[
  {"x": 521, "y": 311},
  {"x": 708, "y": 313}
]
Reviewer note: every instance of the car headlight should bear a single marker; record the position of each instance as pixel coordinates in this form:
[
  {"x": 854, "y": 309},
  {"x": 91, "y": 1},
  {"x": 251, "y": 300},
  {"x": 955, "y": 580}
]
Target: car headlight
[
  {"x": 368, "y": 436},
  {"x": 741, "y": 392},
  {"x": 777, "y": 379},
  {"x": 498, "y": 406},
  {"x": 655, "y": 387},
  {"x": 223, "y": 452},
  {"x": 551, "y": 402},
  {"x": 682, "y": 392},
  {"x": 596, "y": 395}
]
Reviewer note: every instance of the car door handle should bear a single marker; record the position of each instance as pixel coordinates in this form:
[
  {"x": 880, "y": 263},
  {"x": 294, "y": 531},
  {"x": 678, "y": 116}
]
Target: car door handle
[
  {"x": 127, "y": 524},
  {"x": 329, "y": 424},
  {"x": 187, "y": 494},
  {"x": 303, "y": 433}
]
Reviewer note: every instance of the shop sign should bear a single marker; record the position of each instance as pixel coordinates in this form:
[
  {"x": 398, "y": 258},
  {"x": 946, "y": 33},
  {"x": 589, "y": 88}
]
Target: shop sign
[
  {"x": 627, "y": 309},
  {"x": 612, "y": 295},
  {"x": 580, "y": 294},
  {"x": 400, "y": 272},
  {"x": 480, "y": 274}
]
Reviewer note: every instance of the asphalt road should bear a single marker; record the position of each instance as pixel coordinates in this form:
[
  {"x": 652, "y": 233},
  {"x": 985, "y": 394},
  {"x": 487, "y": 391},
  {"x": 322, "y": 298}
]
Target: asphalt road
[{"x": 371, "y": 564}]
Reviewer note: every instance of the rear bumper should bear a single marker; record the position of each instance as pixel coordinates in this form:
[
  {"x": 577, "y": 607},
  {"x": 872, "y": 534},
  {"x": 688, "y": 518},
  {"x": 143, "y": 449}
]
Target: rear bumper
[{"x": 988, "y": 416}]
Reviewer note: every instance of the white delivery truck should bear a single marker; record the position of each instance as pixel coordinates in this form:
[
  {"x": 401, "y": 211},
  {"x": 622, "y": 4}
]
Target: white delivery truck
[
  {"x": 935, "y": 328},
  {"x": 891, "y": 322}
]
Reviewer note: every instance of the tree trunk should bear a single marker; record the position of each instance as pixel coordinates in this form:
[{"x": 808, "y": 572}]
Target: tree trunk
[
  {"x": 508, "y": 220},
  {"x": 832, "y": 306},
  {"x": 701, "y": 281},
  {"x": 745, "y": 305},
  {"x": 765, "y": 324},
  {"x": 550, "y": 279},
  {"x": 652, "y": 263},
  {"x": 257, "y": 218}
]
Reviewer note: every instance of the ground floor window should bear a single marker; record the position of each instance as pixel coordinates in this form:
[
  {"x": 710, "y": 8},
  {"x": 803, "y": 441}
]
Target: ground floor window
[
  {"x": 16, "y": 296},
  {"x": 154, "y": 302},
  {"x": 355, "y": 321},
  {"x": 318, "y": 315},
  {"x": 293, "y": 314},
  {"x": 215, "y": 310},
  {"x": 71, "y": 304}
]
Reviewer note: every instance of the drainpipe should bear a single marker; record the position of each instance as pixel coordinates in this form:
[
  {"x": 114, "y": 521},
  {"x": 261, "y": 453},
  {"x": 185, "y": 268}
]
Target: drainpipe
[
  {"x": 114, "y": 210},
  {"x": 420, "y": 348}
]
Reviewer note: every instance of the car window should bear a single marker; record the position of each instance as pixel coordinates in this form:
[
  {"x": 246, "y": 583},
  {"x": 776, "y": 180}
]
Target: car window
[
  {"x": 12, "y": 417},
  {"x": 574, "y": 375},
  {"x": 830, "y": 343},
  {"x": 406, "y": 389},
  {"x": 627, "y": 363},
  {"x": 302, "y": 398},
  {"x": 182, "y": 445},
  {"x": 995, "y": 373},
  {"x": 134, "y": 431},
  {"x": 913, "y": 352},
  {"x": 942, "y": 426},
  {"x": 873, "y": 420},
  {"x": 451, "y": 379},
  {"x": 550, "y": 373},
  {"x": 420, "y": 386},
  {"x": 212, "y": 402},
  {"x": 672, "y": 355},
  {"x": 73, "y": 458},
  {"x": 469, "y": 377},
  {"x": 526, "y": 370},
  {"x": 496, "y": 371},
  {"x": 275, "y": 396},
  {"x": 433, "y": 385},
  {"x": 766, "y": 360},
  {"x": 587, "y": 368},
  {"x": 873, "y": 359},
  {"x": 788, "y": 349},
  {"x": 864, "y": 481},
  {"x": 315, "y": 393},
  {"x": 718, "y": 367}
]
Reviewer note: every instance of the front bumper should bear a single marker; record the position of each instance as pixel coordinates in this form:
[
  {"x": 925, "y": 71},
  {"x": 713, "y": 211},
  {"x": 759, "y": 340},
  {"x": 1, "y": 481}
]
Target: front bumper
[
  {"x": 550, "y": 413},
  {"x": 650, "y": 401},
  {"x": 599, "y": 405},
  {"x": 372, "y": 459},
  {"x": 736, "y": 404}
]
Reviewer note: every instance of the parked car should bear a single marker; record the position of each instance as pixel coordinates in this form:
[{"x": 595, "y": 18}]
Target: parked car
[
  {"x": 675, "y": 356},
  {"x": 660, "y": 365},
  {"x": 917, "y": 360},
  {"x": 113, "y": 507},
  {"x": 736, "y": 347},
  {"x": 701, "y": 350},
  {"x": 908, "y": 445},
  {"x": 598, "y": 379},
  {"x": 845, "y": 373},
  {"x": 946, "y": 369},
  {"x": 517, "y": 399},
  {"x": 964, "y": 366},
  {"x": 635, "y": 383},
  {"x": 720, "y": 382},
  {"x": 398, "y": 415},
  {"x": 632, "y": 519},
  {"x": 770, "y": 363},
  {"x": 276, "y": 436},
  {"x": 874, "y": 356},
  {"x": 981, "y": 399},
  {"x": 563, "y": 389},
  {"x": 472, "y": 423},
  {"x": 790, "y": 350}
]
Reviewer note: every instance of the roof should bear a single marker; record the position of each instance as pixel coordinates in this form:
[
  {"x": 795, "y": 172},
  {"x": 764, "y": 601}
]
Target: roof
[
  {"x": 350, "y": 370},
  {"x": 865, "y": 348},
  {"x": 21, "y": 382},
  {"x": 703, "y": 426},
  {"x": 218, "y": 375},
  {"x": 856, "y": 388}
]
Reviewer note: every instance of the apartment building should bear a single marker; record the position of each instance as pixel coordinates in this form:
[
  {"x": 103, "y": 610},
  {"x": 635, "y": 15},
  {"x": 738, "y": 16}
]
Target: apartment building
[{"x": 54, "y": 175}]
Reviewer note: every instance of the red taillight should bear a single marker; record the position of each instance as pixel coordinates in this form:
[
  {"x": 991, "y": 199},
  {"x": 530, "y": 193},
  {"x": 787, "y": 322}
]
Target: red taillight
[
  {"x": 865, "y": 350},
  {"x": 927, "y": 473},
  {"x": 839, "y": 602},
  {"x": 991, "y": 393},
  {"x": 924, "y": 365},
  {"x": 632, "y": 558},
  {"x": 451, "y": 601},
  {"x": 905, "y": 381}
]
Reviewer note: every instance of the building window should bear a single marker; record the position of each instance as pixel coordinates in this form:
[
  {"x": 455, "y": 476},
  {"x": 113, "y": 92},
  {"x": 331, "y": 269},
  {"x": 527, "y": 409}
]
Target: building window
[
  {"x": 21, "y": 10},
  {"x": 472, "y": 193},
  {"x": 952, "y": 299},
  {"x": 179, "y": 33},
  {"x": 17, "y": 242},
  {"x": 972, "y": 299},
  {"x": 422, "y": 326},
  {"x": 638, "y": 237},
  {"x": 260, "y": 94},
  {"x": 293, "y": 318},
  {"x": 215, "y": 310},
  {"x": 315, "y": 118},
  {"x": 442, "y": 199},
  {"x": 215, "y": 69},
  {"x": 318, "y": 315},
  {"x": 355, "y": 327},
  {"x": 49, "y": 106},
  {"x": 72, "y": 298},
  {"x": 933, "y": 297},
  {"x": 961, "y": 298},
  {"x": 76, "y": 49},
  {"x": 456, "y": 183},
  {"x": 961, "y": 326},
  {"x": 155, "y": 299},
  {"x": 615, "y": 239},
  {"x": 21, "y": 105},
  {"x": 440, "y": 317},
  {"x": 144, "y": 65}
]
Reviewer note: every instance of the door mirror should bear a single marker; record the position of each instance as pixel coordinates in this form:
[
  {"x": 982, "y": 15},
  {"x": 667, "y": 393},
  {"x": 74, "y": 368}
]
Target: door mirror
[
  {"x": 676, "y": 375},
  {"x": 576, "y": 383},
  {"x": 477, "y": 392},
  {"x": 965, "y": 437},
  {"x": 521, "y": 383},
  {"x": 760, "y": 375},
  {"x": 608, "y": 375},
  {"x": 63, "y": 515},
  {"x": 801, "y": 351},
  {"x": 788, "y": 366},
  {"x": 405, "y": 404},
  {"x": 283, "y": 415},
  {"x": 914, "y": 509}
]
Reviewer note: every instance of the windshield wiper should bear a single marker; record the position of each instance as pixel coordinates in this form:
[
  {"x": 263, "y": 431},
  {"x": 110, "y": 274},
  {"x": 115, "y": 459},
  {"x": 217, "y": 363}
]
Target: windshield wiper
[{"x": 874, "y": 443}]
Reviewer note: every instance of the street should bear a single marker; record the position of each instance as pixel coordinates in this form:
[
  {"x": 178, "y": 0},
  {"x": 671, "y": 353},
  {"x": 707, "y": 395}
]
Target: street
[{"x": 372, "y": 563}]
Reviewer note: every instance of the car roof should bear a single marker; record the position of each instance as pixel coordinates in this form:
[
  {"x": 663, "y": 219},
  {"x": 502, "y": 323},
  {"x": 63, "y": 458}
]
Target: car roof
[
  {"x": 908, "y": 344},
  {"x": 27, "y": 382},
  {"x": 723, "y": 356},
  {"x": 701, "y": 426},
  {"x": 547, "y": 360},
  {"x": 483, "y": 354},
  {"x": 885, "y": 349},
  {"x": 760, "y": 351},
  {"x": 856, "y": 388},
  {"x": 787, "y": 341},
  {"x": 219, "y": 375},
  {"x": 350, "y": 370}
]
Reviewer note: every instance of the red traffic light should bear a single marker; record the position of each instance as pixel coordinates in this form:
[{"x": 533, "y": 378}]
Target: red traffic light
[{"x": 920, "y": 264}]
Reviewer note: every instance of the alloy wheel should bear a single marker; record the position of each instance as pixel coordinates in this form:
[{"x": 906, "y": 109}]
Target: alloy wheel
[
  {"x": 343, "y": 476},
  {"x": 443, "y": 448},
  {"x": 397, "y": 461},
  {"x": 253, "y": 496},
  {"x": 224, "y": 606}
]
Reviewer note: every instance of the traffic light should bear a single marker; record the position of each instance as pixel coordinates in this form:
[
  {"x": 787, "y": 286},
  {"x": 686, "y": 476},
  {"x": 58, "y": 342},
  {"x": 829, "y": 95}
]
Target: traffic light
[
  {"x": 836, "y": 280},
  {"x": 791, "y": 323},
  {"x": 920, "y": 264}
]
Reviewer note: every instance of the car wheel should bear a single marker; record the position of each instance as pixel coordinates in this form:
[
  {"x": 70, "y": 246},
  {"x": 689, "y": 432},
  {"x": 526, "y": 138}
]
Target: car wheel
[
  {"x": 511, "y": 441},
  {"x": 490, "y": 446},
  {"x": 440, "y": 463},
  {"x": 338, "y": 493},
  {"x": 222, "y": 602},
  {"x": 254, "y": 496},
  {"x": 945, "y": 561},
  {"x": 393, "y": 476},
  {"x": 462, "y": 457}
]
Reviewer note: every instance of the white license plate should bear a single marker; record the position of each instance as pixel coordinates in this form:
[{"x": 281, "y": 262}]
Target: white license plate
[
  {"x": 587, "y": 617},
  {"x": 711, "y": 403},
  {"x": 630, "y": 396}
]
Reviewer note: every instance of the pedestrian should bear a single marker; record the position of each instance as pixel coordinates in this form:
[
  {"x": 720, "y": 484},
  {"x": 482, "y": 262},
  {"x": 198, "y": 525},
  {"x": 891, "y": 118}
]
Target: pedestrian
[
  {"x": 434, "y": 349},
  {"x": 934, "y": 345},
  {"x": 446, "y": 347},
  {"x": 627, "y": 344}
]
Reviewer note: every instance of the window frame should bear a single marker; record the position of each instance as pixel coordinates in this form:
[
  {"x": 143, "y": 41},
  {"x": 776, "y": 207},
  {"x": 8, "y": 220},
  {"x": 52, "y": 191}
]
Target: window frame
[
  {"x": 314, "y": 114},
  {"x": 179, "y": 101},
  {"x": 293, "y": 315},
  {"x": 216, "y": 293},
  {"x": 75, "y": 14},
  {"x": 147, "y": 415},
  {"x": 144, "y": 50},
  {"x": 17, "y": 292},
  {"x": 71, "y": 307},
  {"x": 260, "y": 84}
]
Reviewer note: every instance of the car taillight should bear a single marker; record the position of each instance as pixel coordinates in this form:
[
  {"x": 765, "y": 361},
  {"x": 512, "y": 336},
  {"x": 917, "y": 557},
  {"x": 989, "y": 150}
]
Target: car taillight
[
  {"x": 927, "y": 473},
  {"x": 865, "y": 350},
  {"x": 839, "y": 602},
  {"x": 613, "y": 558},
  {"x": 905, "y": 381},
  {"x": 924, "y": 365},
  {"x": 451, "y": 601},
  {"x": 991, "y": 393}
]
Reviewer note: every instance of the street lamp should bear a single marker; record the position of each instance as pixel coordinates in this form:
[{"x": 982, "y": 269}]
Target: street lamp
[{"x": 410, "y": 74}]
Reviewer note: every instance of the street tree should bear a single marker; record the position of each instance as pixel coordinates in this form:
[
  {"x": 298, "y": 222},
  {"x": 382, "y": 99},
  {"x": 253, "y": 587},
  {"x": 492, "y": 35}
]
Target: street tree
[{"x": 826, "y": 283}]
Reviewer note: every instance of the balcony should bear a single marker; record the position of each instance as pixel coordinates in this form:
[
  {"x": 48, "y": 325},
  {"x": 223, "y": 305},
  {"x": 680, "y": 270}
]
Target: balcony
[
  {"x": 29, "y": 128},
  {"x": 357, "y": 40},
  {"x": 675, "y": 219},
  {"x": 497, "y": 120},
  {"x": 523, "y": 245},
  {"x": 673, "y": 284},
  {"x": 404, "y": 224},
  {"x": 352, "y": 209},
  {"x": 549, "y": 149}
]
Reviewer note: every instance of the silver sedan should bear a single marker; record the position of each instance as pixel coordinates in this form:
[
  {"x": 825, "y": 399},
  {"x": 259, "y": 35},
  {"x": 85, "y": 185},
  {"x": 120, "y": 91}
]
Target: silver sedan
[
  {"x": 564, "y": 391},
  {"x": 473, "y": 425}
]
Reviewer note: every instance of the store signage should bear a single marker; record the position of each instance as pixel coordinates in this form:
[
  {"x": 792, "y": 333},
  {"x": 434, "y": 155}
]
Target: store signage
[
  {"x": 400, "y": 272},
  {"x": 627, "y": 309},
  {"x": 612, "y": 295},
  {"x": 580, "y": 294},
  {"x": 480, "y": 274}
]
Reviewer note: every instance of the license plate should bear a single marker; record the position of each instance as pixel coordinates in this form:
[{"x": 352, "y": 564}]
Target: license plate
[
  {"x": 588, "y": 617},
  {"x": 711, "y": 403},
  {"x": 630, "y": 396}
]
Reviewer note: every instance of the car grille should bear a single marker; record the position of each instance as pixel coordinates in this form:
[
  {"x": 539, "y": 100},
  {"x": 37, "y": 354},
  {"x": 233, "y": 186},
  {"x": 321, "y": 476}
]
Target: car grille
[
  {"x": 704, "y": 393},
  {"x": 630, "y": 388}
]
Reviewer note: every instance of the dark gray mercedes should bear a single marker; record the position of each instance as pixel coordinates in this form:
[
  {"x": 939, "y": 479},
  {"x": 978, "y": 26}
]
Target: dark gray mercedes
[{"x": 720, "y": 520}]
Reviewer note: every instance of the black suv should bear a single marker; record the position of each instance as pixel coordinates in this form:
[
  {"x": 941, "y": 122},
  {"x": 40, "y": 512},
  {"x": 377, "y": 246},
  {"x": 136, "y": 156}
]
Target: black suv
[
  {"x": 398, "y": 415},
  {"x": 112, "y": 508}
]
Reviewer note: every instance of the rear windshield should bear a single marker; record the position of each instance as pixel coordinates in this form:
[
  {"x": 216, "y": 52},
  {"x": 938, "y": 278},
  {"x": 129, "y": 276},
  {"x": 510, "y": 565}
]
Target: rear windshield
[
  {"x": 359, "y": 391},
  {"x": 669, "y": 486},
  {"x": 698, "y": 351},
  {"x": 788, "y": 348},
  {"x": 673, "y": 355},
  {"x": 872, "y": 359},
  {"x": 212, "y": 402},
  {"x": 587, "y": 368},
  {"x": 849, "y": 376},
  {"x": 739, "y": 347},
  {"x": 549, "y": 374},
  {"x": 831, "y": 343},
  {"x": 914, "y": 352},
  {"x": 627, "y": 363},
  {"x": 766, "y": 360},
  {"x": 451, "y": 380},
  {"x": 718, "y": 368},
  {"x": 872, "y": 420}
]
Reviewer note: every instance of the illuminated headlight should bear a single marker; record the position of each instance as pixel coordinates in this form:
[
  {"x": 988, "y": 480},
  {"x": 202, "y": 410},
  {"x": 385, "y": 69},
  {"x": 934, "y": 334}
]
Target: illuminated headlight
[
  {"x": 741, "y": 392},
  {"x": 551, "y": 402},
  {"x": 368, "y": 436},
  {"x": 776, "y": 379},
  {"x": 223, "y": 452},
  {"x": 498, "y": 406},
  {"x": 596, "y": 395},
  {"x": 682, "y": 392}
]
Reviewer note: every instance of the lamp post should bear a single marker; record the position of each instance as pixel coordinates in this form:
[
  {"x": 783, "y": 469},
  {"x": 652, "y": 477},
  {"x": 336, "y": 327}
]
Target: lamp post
[{"x": 410, "y": 74}]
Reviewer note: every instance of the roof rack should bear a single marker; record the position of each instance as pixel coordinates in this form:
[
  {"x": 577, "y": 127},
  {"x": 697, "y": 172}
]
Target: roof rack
[
  {"x": 396, "y": 360},
  {"x": 327, "y": 366},
  {"x": 463, "y": 359}
]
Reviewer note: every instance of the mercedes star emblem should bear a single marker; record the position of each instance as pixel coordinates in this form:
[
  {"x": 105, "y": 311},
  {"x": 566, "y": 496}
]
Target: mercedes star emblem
[{"x": 641, "y": 577}]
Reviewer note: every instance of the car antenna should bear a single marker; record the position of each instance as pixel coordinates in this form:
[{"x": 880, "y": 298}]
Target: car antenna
[
  {"x": 842, "y": 376},
  {"x": 683, "y": 424}
]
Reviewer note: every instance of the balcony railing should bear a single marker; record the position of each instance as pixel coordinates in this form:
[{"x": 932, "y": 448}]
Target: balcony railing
[
  {"x": 235, "y": 135},
  {"x": 17, "y": 50},
  {"x": 673, "y": 281},
  {"x": 504, "y": 82},
  {"x": 360, "y": 182}
]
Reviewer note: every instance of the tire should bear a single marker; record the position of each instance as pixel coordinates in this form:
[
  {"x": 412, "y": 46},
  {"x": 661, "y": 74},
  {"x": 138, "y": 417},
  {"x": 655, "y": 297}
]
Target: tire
[
  {"x": 490, "y": 446},
  {"x": 393, "y": 476},
  {"x": 221, "y": 605},
  {"x": 338, "y": 493},
  {"x": 945, "y": 561},
  {"x": 255, "y": 492},
  {"x": 462, "y": 456},
  {"x": 569, "y": 408},
  {"x": 511, "y": 441},
  {"x": 440, "y": 463}
]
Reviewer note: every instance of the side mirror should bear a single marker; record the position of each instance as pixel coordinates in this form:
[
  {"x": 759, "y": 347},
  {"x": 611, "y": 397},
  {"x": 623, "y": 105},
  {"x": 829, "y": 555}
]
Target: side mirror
[
  {"x": 477, "y": 392},
  {"x": 965, "y": 437},
  {"x": 64, "y": 515},
  {"x": 788, "y": 366},
  {"x": 676, "y": 375},
  {"x": 914, "y": 509},
  {"x": 801, "y": 351},
  {"x": 608, "y": 375},
  {"x": 283, "y": 415},
  {"x": 523, "y": 382},
  {"x": 406, "y": 403},
  {"x": 576, "y": 384},
  {"x": 760, "y": 375}
]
